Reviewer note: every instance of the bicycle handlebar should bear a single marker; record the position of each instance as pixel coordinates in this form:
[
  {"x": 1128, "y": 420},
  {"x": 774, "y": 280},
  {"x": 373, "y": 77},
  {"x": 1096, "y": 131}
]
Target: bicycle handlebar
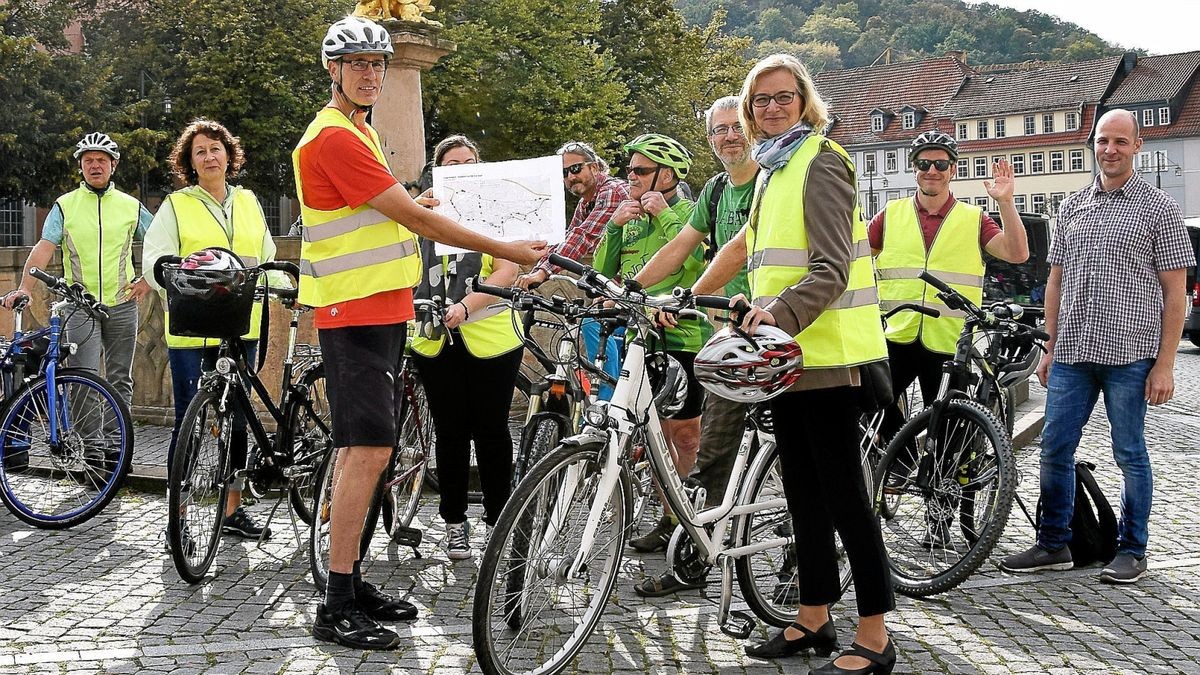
[
  {"x": 912, "y": 307},
  {"x": 568, "y": 264},
  {"x": 74, "y": 293}
]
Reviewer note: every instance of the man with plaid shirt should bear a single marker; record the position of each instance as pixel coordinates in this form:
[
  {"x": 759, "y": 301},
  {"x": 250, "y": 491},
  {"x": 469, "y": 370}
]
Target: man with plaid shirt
[{"x": 1115, "y": 306}]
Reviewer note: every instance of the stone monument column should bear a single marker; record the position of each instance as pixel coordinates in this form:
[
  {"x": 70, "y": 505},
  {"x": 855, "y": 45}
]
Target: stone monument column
[{"x": 398, "y": 115}]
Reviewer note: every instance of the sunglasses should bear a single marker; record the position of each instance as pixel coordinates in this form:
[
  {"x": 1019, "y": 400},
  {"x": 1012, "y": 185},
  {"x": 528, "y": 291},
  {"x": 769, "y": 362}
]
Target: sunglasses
[
  {"x": 574, "y": 169},
  {"x": 924, "y": 164},
  {"x": 642, "y": 170}
]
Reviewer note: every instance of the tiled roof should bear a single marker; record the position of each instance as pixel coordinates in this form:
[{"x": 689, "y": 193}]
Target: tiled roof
[
  {"x": 1077, "y": 137},
  {"x": 1155, "y": 78},
  {"x": 852, "y": 95},
  {"x": 1054, "y": 85},
  {"x": 1187, "y": 122}
]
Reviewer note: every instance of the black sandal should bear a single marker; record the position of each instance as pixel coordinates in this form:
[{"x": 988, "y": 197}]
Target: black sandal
[
  {"x": 666, "y": 584},
  {"x": 881, "y": 663},
  {"x": 822, "y": 641}
]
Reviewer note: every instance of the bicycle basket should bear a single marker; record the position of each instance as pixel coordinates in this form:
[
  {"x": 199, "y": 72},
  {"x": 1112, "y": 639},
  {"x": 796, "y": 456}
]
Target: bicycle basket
[{"x": 210, "y": 303}]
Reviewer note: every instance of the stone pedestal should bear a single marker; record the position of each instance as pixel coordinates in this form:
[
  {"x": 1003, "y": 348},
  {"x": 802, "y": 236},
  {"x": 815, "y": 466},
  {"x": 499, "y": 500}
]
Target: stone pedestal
[{"x": 398, "y": 116}]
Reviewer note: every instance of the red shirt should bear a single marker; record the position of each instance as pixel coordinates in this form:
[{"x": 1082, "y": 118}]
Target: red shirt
[
  {"x": 339, "y": 171},
  {"x": 930, "y": 224}
]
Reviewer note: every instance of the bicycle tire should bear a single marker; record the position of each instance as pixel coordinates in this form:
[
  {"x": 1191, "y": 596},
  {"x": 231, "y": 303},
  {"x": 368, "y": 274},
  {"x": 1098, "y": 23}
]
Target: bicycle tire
[
  {"x": 538, "y": 439},
  {"x": 310, "y": 441},
  {"x": 409, "y": 461},
  {"x": 318, "y": 529},
  {"x": 198, "y": 485},
  {"x": 422, "y": 415},
  {"x": 55, "y": 486},
  {"x": 974, "y": 456},
  {"x": 505, "y": 589},
  {"x": 778, "y": 604}
]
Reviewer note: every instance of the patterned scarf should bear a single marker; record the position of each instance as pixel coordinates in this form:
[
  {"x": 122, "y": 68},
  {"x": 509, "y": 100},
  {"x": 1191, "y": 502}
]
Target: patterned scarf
[{"x": 774, "y": 153}]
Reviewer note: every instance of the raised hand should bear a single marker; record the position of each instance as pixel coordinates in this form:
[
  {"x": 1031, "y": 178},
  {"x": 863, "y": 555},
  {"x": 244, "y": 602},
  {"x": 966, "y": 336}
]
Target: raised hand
[{"x": 1000, "y": 187}]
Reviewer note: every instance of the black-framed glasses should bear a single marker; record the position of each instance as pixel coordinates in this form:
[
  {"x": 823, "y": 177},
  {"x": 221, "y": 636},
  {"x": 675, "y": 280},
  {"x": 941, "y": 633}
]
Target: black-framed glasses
[
  {"x": 939, "y": 164},
  {"x": 574, "y": 169},
  {"x": 722, "y": 129},
  {"x": 781, "y": 97},
  {"x": 643, "y": 170},
  {"x": 362, "y": 65}
]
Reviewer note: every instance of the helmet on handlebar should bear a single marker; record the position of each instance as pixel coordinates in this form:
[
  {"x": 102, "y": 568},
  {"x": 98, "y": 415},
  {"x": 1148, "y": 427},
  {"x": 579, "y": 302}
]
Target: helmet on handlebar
[
  {"x": 209, "y": 273},
  {"x": 670, "y": 385},
  {"x": 749, "y": 370}
]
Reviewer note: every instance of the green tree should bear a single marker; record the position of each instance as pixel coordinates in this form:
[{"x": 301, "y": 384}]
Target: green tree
[{"x": 823, "y": 27}]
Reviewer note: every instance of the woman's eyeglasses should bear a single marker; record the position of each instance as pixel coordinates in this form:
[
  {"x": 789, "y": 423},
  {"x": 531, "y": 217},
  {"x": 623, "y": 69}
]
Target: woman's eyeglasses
[
  {"x": 924, "y": 164},
  {"x": 782, "y": 98}
]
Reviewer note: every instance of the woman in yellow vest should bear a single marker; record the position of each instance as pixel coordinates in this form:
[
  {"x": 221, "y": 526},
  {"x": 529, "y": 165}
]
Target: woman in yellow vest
[
  {"x": 805, "y": 248},
  {"x": 469, "y": 368},
  {"x": 208, "y": 212}
]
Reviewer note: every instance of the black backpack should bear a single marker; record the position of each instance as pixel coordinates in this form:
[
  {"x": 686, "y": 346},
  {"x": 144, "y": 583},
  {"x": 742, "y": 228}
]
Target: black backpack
[
  {"x": 719, "y": 182},
  {"x": 1093, "y": 525}
]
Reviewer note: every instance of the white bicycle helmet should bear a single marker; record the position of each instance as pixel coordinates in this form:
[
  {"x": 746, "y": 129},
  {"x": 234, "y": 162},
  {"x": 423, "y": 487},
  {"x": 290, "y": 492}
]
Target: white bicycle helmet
[
  {"x": 98, "y": 142},
  {"x": 670, "y": 386},
  {"x": 354, "y": 35},
  {"x": 209, "y": 273},
  {"x": 749, "y": 371}
]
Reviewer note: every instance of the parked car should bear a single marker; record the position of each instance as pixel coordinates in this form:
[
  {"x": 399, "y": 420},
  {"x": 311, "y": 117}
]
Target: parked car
[
  {"x": 1191, "y": 325},
  {"x": 1023, "y": 283}
]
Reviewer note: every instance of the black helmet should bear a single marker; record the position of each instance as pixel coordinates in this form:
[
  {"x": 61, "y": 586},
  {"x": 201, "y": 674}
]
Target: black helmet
[{"x": 933, "y": 139}]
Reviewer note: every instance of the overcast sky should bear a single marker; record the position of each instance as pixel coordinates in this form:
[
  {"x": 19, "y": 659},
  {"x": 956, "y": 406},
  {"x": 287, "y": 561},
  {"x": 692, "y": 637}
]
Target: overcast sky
[{"x": 1158, "y": 26}]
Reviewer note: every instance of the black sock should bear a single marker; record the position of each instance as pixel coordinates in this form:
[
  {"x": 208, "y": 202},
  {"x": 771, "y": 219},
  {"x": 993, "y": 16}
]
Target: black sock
[
  {"x": 357, "y": 575},
  {"x": 339, "y": 592}
]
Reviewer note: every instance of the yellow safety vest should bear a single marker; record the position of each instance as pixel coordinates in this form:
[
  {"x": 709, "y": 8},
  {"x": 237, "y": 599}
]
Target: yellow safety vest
[
  {"x": 849, "y": 332},
  {"x": 489, "y": 332},
  {"x": 955, "y": 258},
  {"x": 199, "y": 229},
  {"x": 97, "y": 240},
  {"x": 348, "y": 253}
]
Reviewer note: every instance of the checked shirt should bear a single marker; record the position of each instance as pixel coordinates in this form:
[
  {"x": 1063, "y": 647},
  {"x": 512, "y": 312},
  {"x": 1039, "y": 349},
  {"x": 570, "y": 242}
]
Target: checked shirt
[
  {"x": 588, "y": 223},
  {"x": 1111, "y": 247}
]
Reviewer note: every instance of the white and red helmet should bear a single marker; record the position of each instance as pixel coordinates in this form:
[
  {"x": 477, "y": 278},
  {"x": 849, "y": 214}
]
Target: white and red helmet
[
  {"x": 209, "y": 272},
  {"x": 749, "y": 368}
]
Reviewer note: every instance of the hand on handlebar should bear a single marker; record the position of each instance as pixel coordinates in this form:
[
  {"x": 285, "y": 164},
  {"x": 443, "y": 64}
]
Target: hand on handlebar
[
  {"x": 455, "y": 315},
  {"x": 754, "y": 316},
  {"x": 14, "y": 297}
]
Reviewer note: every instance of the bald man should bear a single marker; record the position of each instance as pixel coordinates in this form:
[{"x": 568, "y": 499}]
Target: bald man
[{"x": 1115, "y": 305}]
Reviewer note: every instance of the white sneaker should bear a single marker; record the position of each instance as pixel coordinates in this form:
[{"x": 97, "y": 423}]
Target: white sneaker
[{"x": 458, "y": 541}]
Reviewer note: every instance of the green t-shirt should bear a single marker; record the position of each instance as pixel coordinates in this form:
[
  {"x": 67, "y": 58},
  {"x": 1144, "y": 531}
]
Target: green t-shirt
[
  {"x": 732, "y": 213},
  {"x": 625, "y": 250}
]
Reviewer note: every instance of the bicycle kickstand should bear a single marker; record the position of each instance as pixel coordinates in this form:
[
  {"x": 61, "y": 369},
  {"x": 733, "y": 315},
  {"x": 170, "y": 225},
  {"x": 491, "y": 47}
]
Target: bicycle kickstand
[{"x": 736, "y": 623}]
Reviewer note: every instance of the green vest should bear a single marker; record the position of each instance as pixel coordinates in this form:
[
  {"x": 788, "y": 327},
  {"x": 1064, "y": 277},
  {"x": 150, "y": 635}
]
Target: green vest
[
  {"x": 98, "y": 240},
  {"x": 849, "y": 332},
  {"x": 955, "y": 258},
  {"x": 199, "y": 229},
  {"x": 348, "y": 253},
  {"x": 487, "y": 333}
]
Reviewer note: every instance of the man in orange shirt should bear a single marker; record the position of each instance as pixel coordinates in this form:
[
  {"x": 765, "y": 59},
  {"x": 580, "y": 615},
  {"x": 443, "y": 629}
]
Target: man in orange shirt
[{"x": 359, "y": 262}]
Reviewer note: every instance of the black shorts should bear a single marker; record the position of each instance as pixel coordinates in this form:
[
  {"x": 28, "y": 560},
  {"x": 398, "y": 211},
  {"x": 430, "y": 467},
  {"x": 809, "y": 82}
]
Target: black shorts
[
  {"x": 695, "y": 395},
  {"x": 361, "y": 363}
]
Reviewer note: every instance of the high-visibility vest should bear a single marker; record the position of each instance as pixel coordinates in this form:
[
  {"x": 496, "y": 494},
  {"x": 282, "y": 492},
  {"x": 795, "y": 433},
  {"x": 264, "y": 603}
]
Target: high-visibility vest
[
  {"x": 97, "y": 241},
  {"x": 199, "y": 229},
  {"x": 955, "y": 258},
  {"x": 488, "y": 332},
  {"x": 849, "y": 332},
  {"x": 348, "y": 253}
]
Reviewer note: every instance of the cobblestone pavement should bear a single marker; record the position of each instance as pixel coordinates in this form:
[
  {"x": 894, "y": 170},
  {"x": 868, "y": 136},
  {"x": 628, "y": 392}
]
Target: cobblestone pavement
[{"x": 105, "y": 597}]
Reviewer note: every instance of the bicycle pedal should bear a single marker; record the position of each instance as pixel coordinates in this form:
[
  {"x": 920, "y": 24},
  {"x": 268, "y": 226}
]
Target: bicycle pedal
[
  {"x": 407, "y": 536},
  {"x": 739, "y": 625}
]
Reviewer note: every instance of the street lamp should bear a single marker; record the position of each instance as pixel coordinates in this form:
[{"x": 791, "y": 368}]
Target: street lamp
[
  {"x": 1161, "y": 163},
  {"x": 883, "y": 183},
  {"x": 143, "y": 187}
]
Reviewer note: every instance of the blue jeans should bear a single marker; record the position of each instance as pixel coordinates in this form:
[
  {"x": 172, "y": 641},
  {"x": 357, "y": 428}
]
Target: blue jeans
[
  {"x": 614, "y": 352},
  {"x": 1071, "y": 396}
]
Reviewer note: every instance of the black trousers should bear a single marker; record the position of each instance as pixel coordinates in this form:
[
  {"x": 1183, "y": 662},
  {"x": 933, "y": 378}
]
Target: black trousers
[
  {"x": 817, "y": 433},
  {"x": 469, "y": 398},
  {"x": 911, "y": 362}
]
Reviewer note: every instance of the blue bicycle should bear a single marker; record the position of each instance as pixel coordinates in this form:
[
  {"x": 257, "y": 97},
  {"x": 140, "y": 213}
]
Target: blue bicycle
[{"x": 64, "y": 449}]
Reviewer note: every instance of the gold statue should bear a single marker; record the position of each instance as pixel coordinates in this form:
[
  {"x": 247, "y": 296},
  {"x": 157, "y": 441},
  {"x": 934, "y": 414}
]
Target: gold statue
[{"x": 402, "y": 10}]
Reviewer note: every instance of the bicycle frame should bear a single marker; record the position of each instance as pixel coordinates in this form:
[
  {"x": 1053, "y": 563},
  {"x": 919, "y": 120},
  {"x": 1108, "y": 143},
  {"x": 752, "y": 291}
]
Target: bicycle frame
[{"x": 49, "y": 365}]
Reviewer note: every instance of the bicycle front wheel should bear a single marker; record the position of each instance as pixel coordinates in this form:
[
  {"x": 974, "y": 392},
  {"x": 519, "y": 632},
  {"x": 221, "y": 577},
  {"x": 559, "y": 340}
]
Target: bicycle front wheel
[
  {"x": 538, "y": 438},
  {"x": 532, "y": 611},
  {"x": 310, "y": 426},
  {"x": 54, "y": 480},
  {"x": 768, "y": 578},
  {"x": 949, "y": 502},
  {"x": 197, "y": 485}
]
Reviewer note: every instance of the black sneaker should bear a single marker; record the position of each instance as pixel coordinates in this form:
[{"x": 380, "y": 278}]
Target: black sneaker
[
  {"x": 657, "y": 539},
  {"x": 189, "y": 544},
  {"x": 351, "y": 627},
  {"x": 381, "y": 606},
  {"x": 239, "y": 523},
  {"x": 1037, "y": 558}
]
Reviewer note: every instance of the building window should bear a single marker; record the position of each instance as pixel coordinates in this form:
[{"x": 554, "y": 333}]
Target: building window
[
  {"x": 982, "y": 129},
  {"x": 965, "y": 200},
  {"x": 1019, "y": 202},
  {"x": 1164, "y": 115},
  {"x": 981, "y": 202},
  {"x": 904, "y": 160},
  {"x": 1144, "y": 163},
  {"x": 962, "y": 131},
  {"x": 1000, "y": 128},
  {"x": 981, "y": 167},
  {"x": 1072, "y": 121},
  {"x": 1048, "y": 123},
  {"x": 1029, "y": 125},
  {"x": 1039, "y": 203},
  {"x": 1148, "y": 117},
  {"x": 873, "y": 207},
  {"x": 1056, "y": 199},
  {"x": 1018, "y": 165},
  {"x": 869, "y": 162},
  {"x": 271, "y": 213},
  {"x": 963, "y": 170},
  {"x": 1037, "y": 162},
  {"x": 1056, "y": 162},
  {"x": 876, "y": 123},
  {"x": 910, "y": 120},
  {"x": 889, "y": 161},
  {"x": 1077, "y": 160},
  {"x": 996, "y": 159},
  {"x": 893, "y": 194},
  {"x": 12, "y": 222}
]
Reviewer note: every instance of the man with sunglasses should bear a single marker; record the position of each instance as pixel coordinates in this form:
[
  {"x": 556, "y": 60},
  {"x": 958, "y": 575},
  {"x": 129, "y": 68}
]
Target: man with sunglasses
[
  {"x": 932, "y": 231},
  {"x": 586, "y": 176}
]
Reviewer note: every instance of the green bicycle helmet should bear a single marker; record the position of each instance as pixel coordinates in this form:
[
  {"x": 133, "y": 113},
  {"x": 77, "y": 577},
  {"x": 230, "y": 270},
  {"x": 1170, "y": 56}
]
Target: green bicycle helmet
[{"x": 663, "y": 150}]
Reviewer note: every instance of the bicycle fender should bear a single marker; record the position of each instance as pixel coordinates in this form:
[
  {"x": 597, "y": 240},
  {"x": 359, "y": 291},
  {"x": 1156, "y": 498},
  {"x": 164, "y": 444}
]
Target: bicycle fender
[{"x": 587, "y": 436}]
